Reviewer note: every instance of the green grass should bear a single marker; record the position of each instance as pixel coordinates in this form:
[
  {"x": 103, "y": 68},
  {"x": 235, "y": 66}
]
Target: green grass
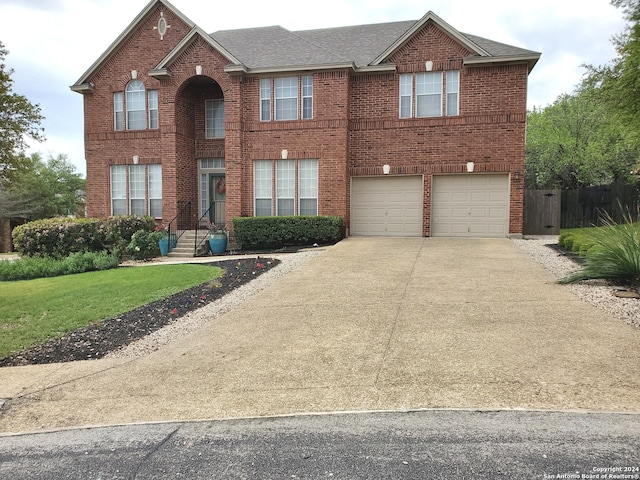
[{"x": 33, "y": 311}]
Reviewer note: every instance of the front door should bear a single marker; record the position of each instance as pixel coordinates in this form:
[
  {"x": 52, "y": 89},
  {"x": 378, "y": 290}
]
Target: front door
[{"x": 217, "y": 196}]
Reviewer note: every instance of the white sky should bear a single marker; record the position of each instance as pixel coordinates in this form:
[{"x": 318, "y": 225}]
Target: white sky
[{"x": 52, "y": 43}]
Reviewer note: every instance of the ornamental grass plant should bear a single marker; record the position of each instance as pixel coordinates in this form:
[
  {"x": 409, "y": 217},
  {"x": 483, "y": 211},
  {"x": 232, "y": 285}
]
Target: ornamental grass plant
[{"x": 613, "y": 254}]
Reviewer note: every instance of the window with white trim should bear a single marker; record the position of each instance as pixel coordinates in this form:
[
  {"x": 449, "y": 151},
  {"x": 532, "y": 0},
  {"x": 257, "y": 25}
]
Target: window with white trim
[
  {"x": 291, "y": 97},
  {"x": 136, "y": 108},
  {"x": 429, "y": 94},
  {"x": 136, "y": 190},
  {"x": 265, "y": 99},
  {"x": 262, "y": 188},
  {"x": 214, "y": 118},
  {"x": 295, "y": 185},
  {"x": 153, "y": 108}
]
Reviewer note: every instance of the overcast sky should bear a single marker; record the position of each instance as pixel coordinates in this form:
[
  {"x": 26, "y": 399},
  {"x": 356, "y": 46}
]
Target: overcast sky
[{"x": 52, "y": 43}]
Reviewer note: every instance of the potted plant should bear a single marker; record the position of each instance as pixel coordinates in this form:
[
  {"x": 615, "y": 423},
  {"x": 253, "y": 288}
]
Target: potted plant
[
  {"x": 163, "y": 243},
  {"x": 217, "y": 238}
]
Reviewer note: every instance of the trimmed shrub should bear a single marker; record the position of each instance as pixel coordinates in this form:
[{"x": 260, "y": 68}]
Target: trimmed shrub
[
  {"x": 274, "y": 232},
  {"x": 144, "y": 244},
  {"x": 28, "y": 268},
  {"x": 59, "y": 237},
  {"x": 119, "y": 230}
]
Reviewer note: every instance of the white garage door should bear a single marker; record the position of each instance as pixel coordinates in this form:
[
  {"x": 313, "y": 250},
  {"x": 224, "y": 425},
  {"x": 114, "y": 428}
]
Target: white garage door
[
  {"x": 470, "y": 206},
  {"x": 387, "y": 206}
]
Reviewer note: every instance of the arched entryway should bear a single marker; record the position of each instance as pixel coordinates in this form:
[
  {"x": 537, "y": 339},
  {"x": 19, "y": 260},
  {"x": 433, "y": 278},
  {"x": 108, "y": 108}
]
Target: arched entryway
[{"x": 200, "y": 147}]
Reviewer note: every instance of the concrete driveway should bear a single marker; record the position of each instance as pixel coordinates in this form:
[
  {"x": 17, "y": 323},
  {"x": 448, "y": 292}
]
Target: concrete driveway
[{"x": 369, "y": 324}]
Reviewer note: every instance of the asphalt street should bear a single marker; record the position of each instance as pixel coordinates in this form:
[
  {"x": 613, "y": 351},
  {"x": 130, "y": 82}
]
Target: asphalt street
[{"x": 439, "y": 444}]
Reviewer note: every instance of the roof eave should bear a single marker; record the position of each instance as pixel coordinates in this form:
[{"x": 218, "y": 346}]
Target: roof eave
[
  {"x": 530, "y": 60},
  {"x": 82, "y": 88},
  {"x": 289, "y": 68},
  {"x": 160, "y": 73},
  {"x": 114, "y": 46}
]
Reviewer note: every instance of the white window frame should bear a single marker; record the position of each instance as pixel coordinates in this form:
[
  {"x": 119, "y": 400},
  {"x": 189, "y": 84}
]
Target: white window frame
[
  {"x": 214, "y": 118},
  {"x": 136, "y": 106},
  {"x": 285, "y": 187},
  {"x": 153, "y": 108},
  {"x": 453, "y": 93},
  {"x": 262, "y": 187},
  {"x": 307, "y": 186},
  {"x": 118, "y": 111},
  {"x": 307, "y": 97},
  {"x": 129, "y": 183},
  {"x": 429, "y": 94},
  {"x": 154, "y": 179},
  {"x": 118, "y": 179},
  {"x": 286, "y": 98},
  {"x": 265, "y": 99},
  {"x": 294, "y": 180}
]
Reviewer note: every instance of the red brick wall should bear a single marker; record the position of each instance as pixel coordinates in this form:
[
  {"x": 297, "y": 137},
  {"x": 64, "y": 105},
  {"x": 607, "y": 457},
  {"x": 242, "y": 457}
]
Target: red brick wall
[{"x": 354, "y": 131}]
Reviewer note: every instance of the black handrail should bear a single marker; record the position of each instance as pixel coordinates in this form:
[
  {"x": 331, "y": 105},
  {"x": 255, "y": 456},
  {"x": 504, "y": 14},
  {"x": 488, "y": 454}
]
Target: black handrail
[
  {"x": 205, "y": 218},
  {"x": 180, "y": 223}
]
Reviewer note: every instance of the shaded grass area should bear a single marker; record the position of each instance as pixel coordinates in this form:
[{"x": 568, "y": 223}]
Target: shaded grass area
[{"x": 34, "y": 311}]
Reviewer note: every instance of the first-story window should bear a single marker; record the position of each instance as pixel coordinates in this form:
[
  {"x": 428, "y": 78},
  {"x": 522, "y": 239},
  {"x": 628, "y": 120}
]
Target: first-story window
[
  {"x": 296, "y": 187},
  {"x": 136, "y": 190}
]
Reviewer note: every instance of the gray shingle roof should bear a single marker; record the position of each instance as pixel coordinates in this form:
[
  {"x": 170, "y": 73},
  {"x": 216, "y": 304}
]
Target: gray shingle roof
[{"x": 276, "y": 47}]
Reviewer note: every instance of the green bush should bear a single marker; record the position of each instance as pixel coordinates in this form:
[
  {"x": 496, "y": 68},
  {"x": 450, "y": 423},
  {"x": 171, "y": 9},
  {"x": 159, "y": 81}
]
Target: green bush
[
  {"x": 578, "y": 240},
  {"x": 28, "y": 268},
  {"x": 274, "y": 232},
  {"x": 144, "y": 245},
  {"x": 119, "y": 230},
  {"x": 59, "y": 237},
  {"x": 611, "y": 252}
]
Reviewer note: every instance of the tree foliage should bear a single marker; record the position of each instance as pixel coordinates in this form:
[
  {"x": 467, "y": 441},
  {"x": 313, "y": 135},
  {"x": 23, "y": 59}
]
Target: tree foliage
[
  {"x": 576, "y": 142},
  {"x": 39, "y": 189},
  {"x": 19, "y": 119}
]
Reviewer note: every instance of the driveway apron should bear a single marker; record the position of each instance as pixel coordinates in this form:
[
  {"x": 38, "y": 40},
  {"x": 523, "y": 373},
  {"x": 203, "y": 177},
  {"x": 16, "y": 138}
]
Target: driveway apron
[{"x": 368, "y": 324}]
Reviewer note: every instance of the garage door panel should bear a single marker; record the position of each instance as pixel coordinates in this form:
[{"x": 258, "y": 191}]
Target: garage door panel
[
  {"x": 470, "y": 205},
  {"x": 387, "y": 206}
]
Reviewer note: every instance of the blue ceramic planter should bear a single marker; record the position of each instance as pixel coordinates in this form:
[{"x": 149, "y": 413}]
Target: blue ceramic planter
[{"x": 218, "y": 243}]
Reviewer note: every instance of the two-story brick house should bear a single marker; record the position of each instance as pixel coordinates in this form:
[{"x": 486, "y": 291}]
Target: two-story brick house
[{"x": 407, "y": 128}]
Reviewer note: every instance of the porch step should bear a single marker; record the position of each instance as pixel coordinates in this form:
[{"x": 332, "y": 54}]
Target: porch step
[{"x": 185, "y": 245}]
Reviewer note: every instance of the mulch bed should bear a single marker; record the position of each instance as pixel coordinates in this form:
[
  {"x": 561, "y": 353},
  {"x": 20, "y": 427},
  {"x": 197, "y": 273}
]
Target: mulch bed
[{"x": 95, "y": 341}]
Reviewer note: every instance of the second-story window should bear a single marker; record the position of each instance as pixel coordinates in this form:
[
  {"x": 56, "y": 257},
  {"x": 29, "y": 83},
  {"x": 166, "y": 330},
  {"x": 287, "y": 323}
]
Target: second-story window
[
  {"x": 136, "y": 108},
  {"x": 429, "y": 94},
  {"x": 214, "y": 118},
  {"x": 291, "y": 98}
]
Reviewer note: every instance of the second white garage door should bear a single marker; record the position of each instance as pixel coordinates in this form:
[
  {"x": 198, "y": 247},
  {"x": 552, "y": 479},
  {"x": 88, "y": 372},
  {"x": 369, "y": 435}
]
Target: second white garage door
[
  {"x": 470, "y": 206},
  {"x": 386, "y": 206}
]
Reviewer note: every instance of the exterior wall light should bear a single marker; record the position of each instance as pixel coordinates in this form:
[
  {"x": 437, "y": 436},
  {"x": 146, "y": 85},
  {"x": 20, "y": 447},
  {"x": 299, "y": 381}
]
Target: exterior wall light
[
  {"x": 285, "y": 154},
  {"x": 386, "y": 169},
  {"x": 136, "y": 159},
  {"x": 470, "y": 167}
]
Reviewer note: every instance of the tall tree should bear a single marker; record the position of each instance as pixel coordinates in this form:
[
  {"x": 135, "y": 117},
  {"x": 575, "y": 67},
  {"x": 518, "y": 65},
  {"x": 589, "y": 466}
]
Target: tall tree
[
  {"x": 575, "y": 142},
  {"x": 619, "y": 81},
  {"x": 39, "y": 189},
  {"x": 18, "y": 119}
]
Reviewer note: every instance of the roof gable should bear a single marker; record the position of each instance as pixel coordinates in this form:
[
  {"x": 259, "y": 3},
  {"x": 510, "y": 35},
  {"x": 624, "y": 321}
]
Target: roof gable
[
  {"x": 417, "y": 26},
  {"x": 83, "y": 85}
]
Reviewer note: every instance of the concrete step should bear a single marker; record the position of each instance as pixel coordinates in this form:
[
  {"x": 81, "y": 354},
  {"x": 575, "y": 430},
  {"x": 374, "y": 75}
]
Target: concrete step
[{"x": 186, "y": 242}]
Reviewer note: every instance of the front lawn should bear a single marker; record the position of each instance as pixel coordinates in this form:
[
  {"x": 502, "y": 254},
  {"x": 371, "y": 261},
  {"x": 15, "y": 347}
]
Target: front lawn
[{"x": 36, "y": 310}]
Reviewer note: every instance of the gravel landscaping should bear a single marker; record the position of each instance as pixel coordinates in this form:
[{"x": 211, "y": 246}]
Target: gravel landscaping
[{"x": 596, "y": 292}]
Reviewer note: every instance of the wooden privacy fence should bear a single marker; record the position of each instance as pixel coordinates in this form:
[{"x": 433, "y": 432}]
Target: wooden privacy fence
[
  {"x": 586, "y": 206},
  {"x": 546, "y": 211},
  {"x": 541, "y": 212}
]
